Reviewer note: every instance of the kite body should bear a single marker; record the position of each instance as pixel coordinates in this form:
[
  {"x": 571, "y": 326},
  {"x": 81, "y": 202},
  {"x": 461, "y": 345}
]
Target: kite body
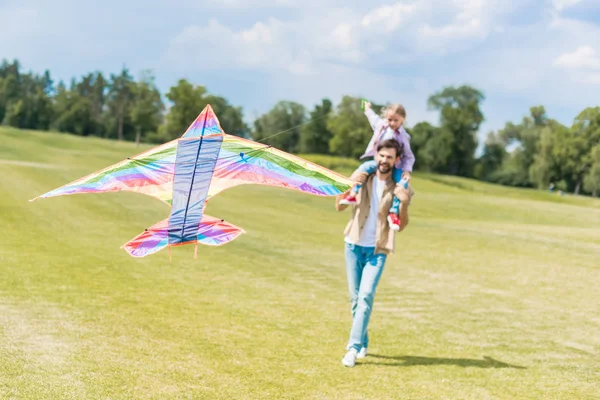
[{"x": 186, "y": 172}]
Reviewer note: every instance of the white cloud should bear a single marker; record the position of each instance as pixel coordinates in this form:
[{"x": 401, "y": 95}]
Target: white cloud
[
  {"x": 471, "y": 28},
  {"x": 582, "y": 64},
  {"x": 392, "y": 33},
  {"x": 246, "y": 4},
  {"x": 579, "y": 65},
  {"x": 471, "y": 20},
  {"x": 417, "y": 28},
  {"x": 560, "y": 5},
  {"x": 343, "y": 41},
  {"x": 342, "y": 35},
  {"x": 583, "y": 57},
  {"x": 389, "y": 18},
  {"x": 260, "y": 33},
  {"x": 264, "y": 46},
  {"x": 273, "y": 45}
]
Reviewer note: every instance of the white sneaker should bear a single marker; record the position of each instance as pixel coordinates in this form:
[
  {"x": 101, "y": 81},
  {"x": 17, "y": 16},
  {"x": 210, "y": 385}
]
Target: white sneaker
[
  {"x": 362, "y": 353},
  {"x": 350, "y": 358}
]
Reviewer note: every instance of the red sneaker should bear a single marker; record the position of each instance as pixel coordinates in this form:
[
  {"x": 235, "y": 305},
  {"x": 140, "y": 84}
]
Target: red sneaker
[
  {"x": 394, "y": 221},
  {"x": 349, "y": 200}
]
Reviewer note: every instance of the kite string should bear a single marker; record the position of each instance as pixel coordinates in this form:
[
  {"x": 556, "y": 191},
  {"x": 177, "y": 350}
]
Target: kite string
[
  {"x": 257, "y": 141},
  {"x": 142, "y": 162},
  {"x": 293, "y": 127},
  {"x": 251, "y": 152}
]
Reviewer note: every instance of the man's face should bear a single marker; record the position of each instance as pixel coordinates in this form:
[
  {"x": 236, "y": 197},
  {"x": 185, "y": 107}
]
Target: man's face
[
  {"x": 386, "y": 158},
  {"x": 394, "y": 120}
]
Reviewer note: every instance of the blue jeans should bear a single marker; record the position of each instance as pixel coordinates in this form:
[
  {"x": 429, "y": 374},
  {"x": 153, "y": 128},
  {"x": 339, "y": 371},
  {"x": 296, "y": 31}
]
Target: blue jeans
[
  {"x": 371, "y": 167},
  {"x": 363, "y": 270}
]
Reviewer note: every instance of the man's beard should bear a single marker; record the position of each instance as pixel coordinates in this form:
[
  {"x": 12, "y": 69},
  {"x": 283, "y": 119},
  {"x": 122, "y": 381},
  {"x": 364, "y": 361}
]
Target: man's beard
[{"x": 384, "y": 168}]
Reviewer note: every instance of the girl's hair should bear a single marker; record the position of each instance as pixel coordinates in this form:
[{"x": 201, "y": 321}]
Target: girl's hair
[{"x": 394, "y": 108}]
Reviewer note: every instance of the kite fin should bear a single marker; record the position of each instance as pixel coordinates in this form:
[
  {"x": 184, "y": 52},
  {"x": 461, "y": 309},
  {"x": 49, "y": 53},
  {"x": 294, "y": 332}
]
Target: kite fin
[
  {"x": 150, "y": 241},
  {"x": 216, "y": 232},
  {"x": 211, "y": 231}
]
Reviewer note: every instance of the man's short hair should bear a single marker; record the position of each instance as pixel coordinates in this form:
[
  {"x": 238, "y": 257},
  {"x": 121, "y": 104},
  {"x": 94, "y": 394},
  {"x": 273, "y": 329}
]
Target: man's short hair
[{"x": 390, "y": 144}]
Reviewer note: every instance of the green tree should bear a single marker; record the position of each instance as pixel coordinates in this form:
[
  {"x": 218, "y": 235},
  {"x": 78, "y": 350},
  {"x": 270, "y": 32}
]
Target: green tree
[
  {"x": 315, "y": 135},
  {"x": 44, "y": 103},
  {"x": 525, "y": 136},
  {"x": 47, "y": 83},
  {"x": 91, "y": 89},
  {"x": 544, "y": 168},
  {"x": 284, "y": 121},
  {"x": 24, "y": 97},
  {"x": 460, "y": 117},
  {"x": 231, "y": 118},
  {"x": 494, "y": 154},
  {"x": 431, "y": 147},
  {"x": 146, "y": 112},
  {"x": 73, "y": 111},
  {"x": 14, "y": 113},
  {"x": 350, "y": 128},
  {"x": 591, "y": 181},
  {"x": 573, "y": 150},
  {"x": 512, "y": 172},
  {"x": 187, "y": 103},
  {"x": 9, "y": 86},
  {"x": 119, "y": 102},
  {"x": 98, "y": 98}
]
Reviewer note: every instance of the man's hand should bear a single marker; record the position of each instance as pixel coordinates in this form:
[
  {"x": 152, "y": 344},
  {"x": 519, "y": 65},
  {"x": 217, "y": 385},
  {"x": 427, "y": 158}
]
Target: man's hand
[
  {"x": 401, "y": 193},
  {"x": 338, "y": 198}
]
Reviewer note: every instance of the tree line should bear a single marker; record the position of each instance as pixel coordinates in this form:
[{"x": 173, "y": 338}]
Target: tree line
[{"x": 119, "y": 106}]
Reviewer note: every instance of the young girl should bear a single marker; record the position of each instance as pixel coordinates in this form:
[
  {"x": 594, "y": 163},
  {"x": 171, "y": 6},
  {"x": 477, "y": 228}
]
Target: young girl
[{"x": 383, "y": 129}]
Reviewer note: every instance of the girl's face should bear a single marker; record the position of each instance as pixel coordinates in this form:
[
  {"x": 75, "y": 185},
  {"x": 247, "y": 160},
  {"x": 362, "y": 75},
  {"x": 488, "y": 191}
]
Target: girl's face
[{"x": 394, "y": 120}]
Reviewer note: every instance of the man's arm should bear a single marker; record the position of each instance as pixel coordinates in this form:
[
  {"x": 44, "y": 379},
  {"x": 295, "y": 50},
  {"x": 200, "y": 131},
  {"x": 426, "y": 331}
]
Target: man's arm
[{"x": 404, "y": 195}]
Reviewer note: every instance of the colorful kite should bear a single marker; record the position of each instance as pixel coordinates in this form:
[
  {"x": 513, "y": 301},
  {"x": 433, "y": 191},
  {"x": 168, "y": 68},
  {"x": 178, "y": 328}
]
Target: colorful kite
[{"x": 186, "y": 172}]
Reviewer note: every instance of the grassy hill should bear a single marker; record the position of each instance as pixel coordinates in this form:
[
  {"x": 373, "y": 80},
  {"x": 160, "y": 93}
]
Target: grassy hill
[{"x": 493, "y": 293}]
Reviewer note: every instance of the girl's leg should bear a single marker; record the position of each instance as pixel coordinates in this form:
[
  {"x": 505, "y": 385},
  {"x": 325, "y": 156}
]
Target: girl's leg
[
  {"x": 369, "y": 167},
  {"x": 397, "y": 175}
]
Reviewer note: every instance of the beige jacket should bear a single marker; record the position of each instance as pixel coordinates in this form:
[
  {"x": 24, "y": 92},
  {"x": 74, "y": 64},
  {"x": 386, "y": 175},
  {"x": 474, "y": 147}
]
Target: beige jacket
[{"x": 385, "y": 236}]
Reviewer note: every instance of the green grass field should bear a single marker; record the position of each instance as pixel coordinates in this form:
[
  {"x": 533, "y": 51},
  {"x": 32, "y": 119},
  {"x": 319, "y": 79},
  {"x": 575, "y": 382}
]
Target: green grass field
[{"x": 493, "y": 293}]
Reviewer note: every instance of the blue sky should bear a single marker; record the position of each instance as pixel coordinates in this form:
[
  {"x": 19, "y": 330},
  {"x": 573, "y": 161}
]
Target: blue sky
[{"x": 256, "y": 52}]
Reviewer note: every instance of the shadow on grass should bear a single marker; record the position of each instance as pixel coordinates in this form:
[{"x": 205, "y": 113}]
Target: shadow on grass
[{"x": 409, "y": 361}]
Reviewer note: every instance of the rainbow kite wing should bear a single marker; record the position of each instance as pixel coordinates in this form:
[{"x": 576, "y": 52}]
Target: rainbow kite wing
[
  {"x": 150, "y": 172},
  {"x": 242, "y": 161},
  {"x": 186, "y": 172}
]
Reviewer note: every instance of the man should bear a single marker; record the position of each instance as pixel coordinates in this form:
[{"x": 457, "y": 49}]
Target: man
[{"x": 369, "y": 240}]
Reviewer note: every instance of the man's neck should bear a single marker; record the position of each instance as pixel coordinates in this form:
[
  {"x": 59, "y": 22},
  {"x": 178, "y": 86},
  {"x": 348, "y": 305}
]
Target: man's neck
[{"x": 383, "y": 177}]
